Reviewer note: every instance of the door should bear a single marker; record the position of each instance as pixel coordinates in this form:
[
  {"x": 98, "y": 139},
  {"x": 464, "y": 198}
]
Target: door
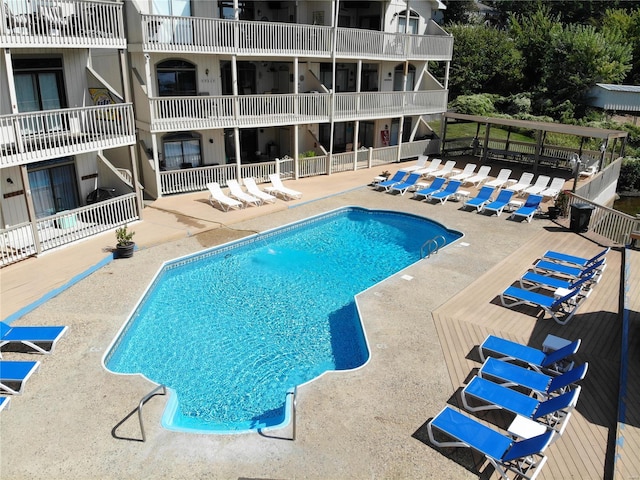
[
  {"x": 176, "y": 30},
  {"x": 40, "y": 86},
  {"x": 53, "y": 187}
]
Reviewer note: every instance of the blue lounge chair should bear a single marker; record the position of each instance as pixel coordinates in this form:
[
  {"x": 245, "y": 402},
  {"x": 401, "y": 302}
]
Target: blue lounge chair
[
  {"x": 480, "y": 200},
  {"x": 4, "y": 403},
  {"x": 40, "y": 339},
  {"x": 553, "y": 268},
  {"x": 402, "y": 187},
  {"x": 497, "y": 206},
  {"x": 387, "y": 184},
  {"x": 15, "y": 373},
  {"x": 488, "y": 395},
  {"x": 524, "y": 458},
  {"x": 446, "y": 193},
  {"x": 509, "y": 374},
  {"x": 566, "y": 305},
  {"x": 529, "y": 209},
  {"x": 573, "y": 260},
  {"x": 533, "y": 280},
  {"x": 507, "y": 350},
  {"x": 435, "y": 186}
]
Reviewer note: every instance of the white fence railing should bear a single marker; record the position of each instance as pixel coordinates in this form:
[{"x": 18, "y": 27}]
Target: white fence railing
[
  {"x": 35, "y": 136},
  {"x": 28, "y": 239},
  {"x": 212, "y": 35},
  {"x": 62, "y": 23},
  {"x": 196, "y": 179},
  {"x": 192, "y": 113},
  {"x": 612, "y": 224}
]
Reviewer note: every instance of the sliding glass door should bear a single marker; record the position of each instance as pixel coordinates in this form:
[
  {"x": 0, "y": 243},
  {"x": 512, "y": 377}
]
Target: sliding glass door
[{"x": 53, "y": 187}]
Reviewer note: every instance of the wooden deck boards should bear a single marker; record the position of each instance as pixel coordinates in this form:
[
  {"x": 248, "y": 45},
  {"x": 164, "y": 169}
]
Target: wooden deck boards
[{"x": 587, "y": 447}]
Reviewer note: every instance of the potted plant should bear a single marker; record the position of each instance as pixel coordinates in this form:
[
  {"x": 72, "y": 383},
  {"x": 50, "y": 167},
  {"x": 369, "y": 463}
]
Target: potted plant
[
  {"x": 386, "y": 174},
  {"x": 124, "y": 244},
  {"x": 560, "y": 207}
]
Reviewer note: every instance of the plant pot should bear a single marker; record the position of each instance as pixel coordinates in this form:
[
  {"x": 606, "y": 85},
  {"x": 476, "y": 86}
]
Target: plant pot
[
  {"x": 125, "y": 251},
  {"x": 554, "y": 212}
]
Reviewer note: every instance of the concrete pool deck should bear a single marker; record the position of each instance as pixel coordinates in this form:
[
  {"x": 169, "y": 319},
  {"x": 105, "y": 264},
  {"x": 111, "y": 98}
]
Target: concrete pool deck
[{"x": 76, "y": 420}]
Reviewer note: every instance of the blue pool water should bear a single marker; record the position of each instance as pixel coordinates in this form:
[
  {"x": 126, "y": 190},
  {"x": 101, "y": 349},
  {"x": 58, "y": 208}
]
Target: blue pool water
[{"x": 232, "y": 329}]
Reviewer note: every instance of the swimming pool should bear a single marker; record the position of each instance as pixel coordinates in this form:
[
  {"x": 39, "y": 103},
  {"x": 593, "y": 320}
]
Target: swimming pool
[{"x": 232, "y": 329}]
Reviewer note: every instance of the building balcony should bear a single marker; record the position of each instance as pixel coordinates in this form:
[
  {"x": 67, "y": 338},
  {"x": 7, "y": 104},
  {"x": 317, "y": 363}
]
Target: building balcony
[
  {"x": 36, "y": 136},
  {"x": 248, "y": 111},
  {"x": 62, "y": 24},
  {"x": 210, "y": 35}
]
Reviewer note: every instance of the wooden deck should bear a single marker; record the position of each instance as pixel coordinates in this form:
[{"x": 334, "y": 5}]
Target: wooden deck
[{"x": 588, "y": 447}]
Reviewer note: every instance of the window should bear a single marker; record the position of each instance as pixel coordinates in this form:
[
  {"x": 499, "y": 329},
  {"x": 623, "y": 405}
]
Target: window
[
  {"x": 40, "y": 86},
  {"x": 414, "y": 21},
  {"x": 176, "y": 78},
  {"x": 181, "y": 150},
  {"x": 53, "y": 186},
  {"x": 398, "y": 78},
  {"x": 245, "y": 10}
]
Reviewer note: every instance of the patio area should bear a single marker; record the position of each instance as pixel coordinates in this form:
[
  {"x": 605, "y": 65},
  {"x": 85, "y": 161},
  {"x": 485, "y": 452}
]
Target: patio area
[{"x": 76, "y": 420}]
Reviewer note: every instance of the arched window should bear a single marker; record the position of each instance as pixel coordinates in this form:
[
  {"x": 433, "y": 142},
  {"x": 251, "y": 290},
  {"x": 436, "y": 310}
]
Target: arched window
[
  {"x": 413, "y": 22},
  {"x": 176, "y": 78},
  {"x": 398, "y": 80},
  {"x": 181, "y": 150}
]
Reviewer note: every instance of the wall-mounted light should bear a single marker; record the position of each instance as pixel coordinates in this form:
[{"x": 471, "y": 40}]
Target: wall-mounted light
[
  {"x": 389, "y": 74},
  {"x": 206, "y": 72},
  {"x": 211, "y": 140},
  {"x": 9, "y": 180}
]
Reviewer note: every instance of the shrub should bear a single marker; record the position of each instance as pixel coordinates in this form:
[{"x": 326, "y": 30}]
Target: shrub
[
  {"x": 481, "y": 104},
  {"x": 629, "y": 178}
]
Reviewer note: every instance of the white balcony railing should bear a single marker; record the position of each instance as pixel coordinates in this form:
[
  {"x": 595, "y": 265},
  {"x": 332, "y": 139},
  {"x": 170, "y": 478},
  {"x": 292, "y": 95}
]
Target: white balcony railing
[
  {"x": 210, "y": 35},
  {"x": 35, "y": 136},
  {"x": 28, "y": 239},
  {"x": 62, "y": 23},
  {"x": 193, "y": 113}
]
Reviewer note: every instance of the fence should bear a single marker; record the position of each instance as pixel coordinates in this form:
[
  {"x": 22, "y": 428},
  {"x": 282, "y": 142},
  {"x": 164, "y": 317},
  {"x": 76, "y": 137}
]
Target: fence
[{"x": 27, "y": 239}]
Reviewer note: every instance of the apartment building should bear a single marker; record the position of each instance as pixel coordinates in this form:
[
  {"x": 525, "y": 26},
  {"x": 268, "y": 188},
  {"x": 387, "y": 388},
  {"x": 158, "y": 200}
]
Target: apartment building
[
  {"x": 224, "y": 88},
  {"x": 67, "y": 128},
  {"x": 221, "y": 89}
]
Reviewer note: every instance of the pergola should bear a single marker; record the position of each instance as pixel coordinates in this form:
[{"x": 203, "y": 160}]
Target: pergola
[{"x": 540, "y": 152}]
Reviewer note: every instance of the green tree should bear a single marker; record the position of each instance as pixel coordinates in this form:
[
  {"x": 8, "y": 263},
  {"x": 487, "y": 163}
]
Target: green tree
[
  {"x": 579, "y": 58},
  {"x": 484, "y": 60},
  {"x": 534, "y": 35},
  {"x": 626, "y": 24}
]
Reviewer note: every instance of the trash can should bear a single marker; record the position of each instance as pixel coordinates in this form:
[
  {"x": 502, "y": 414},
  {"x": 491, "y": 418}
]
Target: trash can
[{"x": 580, "y": 217}]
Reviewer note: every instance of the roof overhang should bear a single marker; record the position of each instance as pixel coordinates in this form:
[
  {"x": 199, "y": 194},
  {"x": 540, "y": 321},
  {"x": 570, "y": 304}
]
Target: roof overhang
[{"x": 542, "y": 126}]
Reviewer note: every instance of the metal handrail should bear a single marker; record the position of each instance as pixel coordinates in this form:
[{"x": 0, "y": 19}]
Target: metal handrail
[
  {"x": 429, "y": 242},
  {"x": 143, "y": 401},
  {"x": 293, "y": 392}
]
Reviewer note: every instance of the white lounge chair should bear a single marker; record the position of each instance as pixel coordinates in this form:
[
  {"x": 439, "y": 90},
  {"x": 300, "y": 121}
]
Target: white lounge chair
[
  {"x": 422, "y": 163},
  {"x": 524, "y": 182},
  {"x": 444, "y": 171},
  {"x": 468, "y": 171},
  {"x": 557, "y": 184},
  {"x": 279, "y": 189},
  {"x": 542, "y": 183},
  {"x": 433, "y": 166},
  {"x": 479, "y": 177},
  {"x": 500, "y": 180},
  {"x": 236, "y": 192},
  {"x": 217, "y": 197},
  {"x": 252, "y": 189}
]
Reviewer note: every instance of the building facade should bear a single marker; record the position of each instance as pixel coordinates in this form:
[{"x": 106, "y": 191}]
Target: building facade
[{"x": 220, "y": 89}]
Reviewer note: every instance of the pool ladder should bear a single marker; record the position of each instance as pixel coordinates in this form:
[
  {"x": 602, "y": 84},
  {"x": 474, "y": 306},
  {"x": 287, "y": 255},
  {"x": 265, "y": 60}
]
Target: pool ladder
[
  {"x": 432, "y": 246},
  {"x": 143, "y": 401}
]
